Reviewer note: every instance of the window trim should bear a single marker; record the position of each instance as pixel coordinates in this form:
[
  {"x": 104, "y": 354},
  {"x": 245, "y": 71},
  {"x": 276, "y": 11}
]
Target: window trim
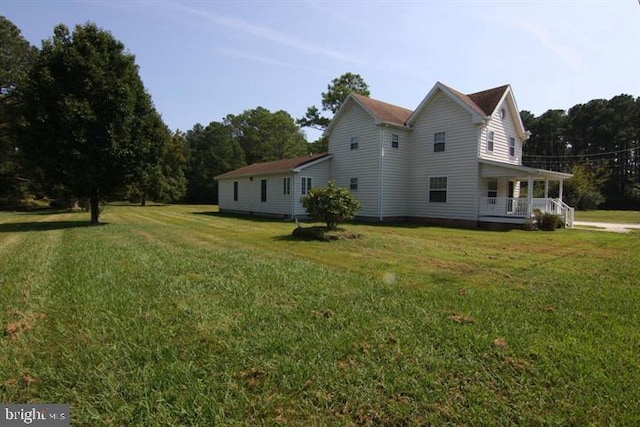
[
  {"x": 438, "y": 143},
  {"x": 263, "y": 190},
  {"x": 354, "y": 143},
  {"x": 444, "y": 190},
  {"x": 491, "y": 135},
  {"x": 286, "y": 189},
  {"x": 305, "y": 185},
  {"x": 395, "y": 140},
  {"x": 353, "y": 184}
]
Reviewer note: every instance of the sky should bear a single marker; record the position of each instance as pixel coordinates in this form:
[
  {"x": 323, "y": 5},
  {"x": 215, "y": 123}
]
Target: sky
[{"x": 202, "y": 60}]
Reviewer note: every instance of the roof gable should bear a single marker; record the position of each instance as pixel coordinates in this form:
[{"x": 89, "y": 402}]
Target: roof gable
[
  {"x": 380, "y": 112},
  {"x": 488, "y": 100},
  {"x": 276, "y": 166}
]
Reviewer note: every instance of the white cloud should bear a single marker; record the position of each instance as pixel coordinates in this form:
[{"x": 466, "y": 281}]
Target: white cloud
[
  {"x": 261, "y": 59},
  {"x": 265, "y": 33}
]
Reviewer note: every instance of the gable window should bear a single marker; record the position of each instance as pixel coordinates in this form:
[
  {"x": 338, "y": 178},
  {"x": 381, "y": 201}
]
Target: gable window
[
  {"x": 353, "y": 184},
  {"x": 395, "y": 140},
  {"x": 235, "y": 191},
  {"x": 438, "y": 142},
  {"x": 354, "y": 142},
  {"x": 512, "y": 147},
  {"x": 490, "y": 137},
  {"x": 263, "y": 190},
  {"x": 503, "y": 113},
  {"x": 286, "y": 182},
  {"x": 306, "y": 184},
  {"x": 438, "y": 189}
]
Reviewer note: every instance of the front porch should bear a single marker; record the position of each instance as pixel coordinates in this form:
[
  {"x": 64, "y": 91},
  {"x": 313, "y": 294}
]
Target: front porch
[
  {"x": 516, "y": 210},
  {"x": 507, "y": 205}
]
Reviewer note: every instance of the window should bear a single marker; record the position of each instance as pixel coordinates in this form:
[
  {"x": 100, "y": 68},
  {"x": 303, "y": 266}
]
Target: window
[
  {"x": 235, "y": 191},
  {"x": 503, "y": 113},
  {"x": 395, "y": 139},
  {"x": 438, "y": 189},
  {"x": 354, "y": 142},
  {"x": 490, "y": 137},
  {"x": 286, "y": 182},
  {"x": 353, "y": 184},
  {"x": 492, "y": 188},
  {"x": 306, "y": 184},
  {"x": 263, "y": 190},
  {"x": 512, "y": 146},
  {"x": 438, "y": 142}
]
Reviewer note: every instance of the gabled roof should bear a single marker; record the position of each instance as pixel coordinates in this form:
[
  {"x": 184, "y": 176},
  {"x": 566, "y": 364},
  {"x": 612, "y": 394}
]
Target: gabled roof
[
  {"x": 480, "y": 105},
  {"x": 276, "y": 166},
  {"x": 384, "y": 112},
  {"x": 488, "y": 100}
]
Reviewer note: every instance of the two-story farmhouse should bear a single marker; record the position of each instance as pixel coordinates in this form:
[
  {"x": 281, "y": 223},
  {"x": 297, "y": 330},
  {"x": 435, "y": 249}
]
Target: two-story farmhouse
[{"x": 456, "y": 158}]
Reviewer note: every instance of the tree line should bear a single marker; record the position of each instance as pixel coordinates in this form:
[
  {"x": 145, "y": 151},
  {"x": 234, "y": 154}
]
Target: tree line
[
  {"x": 599, "y": 142},
  {"x": 77, "y": 122}
]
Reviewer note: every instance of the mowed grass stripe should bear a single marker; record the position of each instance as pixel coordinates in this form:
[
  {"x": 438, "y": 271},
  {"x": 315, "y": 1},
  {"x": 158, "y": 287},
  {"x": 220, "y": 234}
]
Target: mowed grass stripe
[{"x": 195, "y": 323}]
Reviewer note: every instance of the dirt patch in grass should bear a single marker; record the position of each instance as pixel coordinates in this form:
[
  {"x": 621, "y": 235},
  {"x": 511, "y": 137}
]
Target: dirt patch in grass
[
  {"x": 26, "y": 323},
  {"x": 459, "y": 318},
  {"x": 323, "y": 234}
]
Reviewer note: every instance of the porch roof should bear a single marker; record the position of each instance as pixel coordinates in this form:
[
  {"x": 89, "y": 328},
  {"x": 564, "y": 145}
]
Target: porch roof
[{"x": 496, "y": 169}]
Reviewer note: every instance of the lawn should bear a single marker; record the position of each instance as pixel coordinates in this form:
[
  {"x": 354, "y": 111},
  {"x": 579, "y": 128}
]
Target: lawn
[
  {"x": 176, "y": 315},
  {"x": 621, "y": 217}
]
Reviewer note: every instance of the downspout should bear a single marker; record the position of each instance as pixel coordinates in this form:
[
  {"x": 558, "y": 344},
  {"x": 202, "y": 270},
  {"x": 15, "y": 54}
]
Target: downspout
[{"x": 380, "y": 175}]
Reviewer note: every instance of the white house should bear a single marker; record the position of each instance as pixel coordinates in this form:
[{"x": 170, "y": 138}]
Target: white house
[{"x": 455, "y": 159}]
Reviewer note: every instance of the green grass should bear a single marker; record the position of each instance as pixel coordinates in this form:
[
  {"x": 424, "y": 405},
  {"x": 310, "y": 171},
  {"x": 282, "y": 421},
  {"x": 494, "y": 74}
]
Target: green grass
[
  {"x": 621, "y": 217},
  {"x": 176, "y": 315}
]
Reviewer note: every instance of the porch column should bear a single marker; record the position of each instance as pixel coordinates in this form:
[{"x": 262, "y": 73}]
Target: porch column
[
  {"x": 530, "y": 195},
  {"x": 560, "y": 192},
  {"x": 546, "y": 188}
]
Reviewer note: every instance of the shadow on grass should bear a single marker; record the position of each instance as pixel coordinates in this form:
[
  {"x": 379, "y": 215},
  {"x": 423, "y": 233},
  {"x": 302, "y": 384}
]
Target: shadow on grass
[
  {"x": 247, "y": 217},
  {"x": 17, "y": 227}
]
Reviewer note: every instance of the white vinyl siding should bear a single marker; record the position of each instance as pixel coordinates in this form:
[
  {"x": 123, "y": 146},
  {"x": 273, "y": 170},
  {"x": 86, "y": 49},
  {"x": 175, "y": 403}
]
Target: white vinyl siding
[
  {"x": 395, "y": 161},
  {"x": 458, "y": 162},
  {"x": 502, "y": 129},
  {"x": 363, "y": 163}
]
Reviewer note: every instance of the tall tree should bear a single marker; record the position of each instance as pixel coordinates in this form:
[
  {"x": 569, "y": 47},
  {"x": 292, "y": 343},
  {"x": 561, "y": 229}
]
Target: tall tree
[
  {"x": 16, "y": 58},
  {"x": 211, "y": 152},
  {"x": 265, "y": 136},
  {"x": 332, "y": 99},
  {"x": 84, "y": 106}
]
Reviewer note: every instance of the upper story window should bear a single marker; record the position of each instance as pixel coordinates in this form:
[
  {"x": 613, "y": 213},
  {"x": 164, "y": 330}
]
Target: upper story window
[
  {"x": 306, "y": 184},
  {"x": 353, "y": 184},
  {"x": 503, "y": 113},
  {"x": 490, "y": 137},
  {"x": 286, "y": 185},
  {"x": 354, "y": 142},
  {"x": 438, "y": 141},
  {"x": 512, "y": 146},
  {"x": 395, "y": 140}
]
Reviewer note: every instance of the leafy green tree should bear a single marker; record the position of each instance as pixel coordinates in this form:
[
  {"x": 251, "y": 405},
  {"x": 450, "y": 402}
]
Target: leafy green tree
[
  {"x": 332, "y": 99},
  {"x": 211, "y": 151},
  {"x": 87, "y": 113},
  {"x": 583, "y": 190},
  {"x": 16, "y": 58},
  {"x": 331, "y": 204},
  {"x": 266, "y": 136}
]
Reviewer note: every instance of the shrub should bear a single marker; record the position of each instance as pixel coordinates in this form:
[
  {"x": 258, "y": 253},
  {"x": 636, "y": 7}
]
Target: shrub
[
  {"x": 547, "y": 221},
  {"x": 331, "y": 204}
]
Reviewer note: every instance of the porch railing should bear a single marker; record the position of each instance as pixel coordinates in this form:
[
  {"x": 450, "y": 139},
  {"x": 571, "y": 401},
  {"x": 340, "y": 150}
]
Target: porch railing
[{"x": 519, "y": 207}]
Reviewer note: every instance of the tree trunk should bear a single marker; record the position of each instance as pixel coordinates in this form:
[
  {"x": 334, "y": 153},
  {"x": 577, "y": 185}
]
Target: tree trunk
[
  {"x": 143, "y": 200},
  {"x": 95, "y": 207}
]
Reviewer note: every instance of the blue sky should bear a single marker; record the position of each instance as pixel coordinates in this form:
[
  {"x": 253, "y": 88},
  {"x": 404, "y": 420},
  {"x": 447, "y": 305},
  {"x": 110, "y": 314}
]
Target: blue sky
[{"x": 202, "y": 60}]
